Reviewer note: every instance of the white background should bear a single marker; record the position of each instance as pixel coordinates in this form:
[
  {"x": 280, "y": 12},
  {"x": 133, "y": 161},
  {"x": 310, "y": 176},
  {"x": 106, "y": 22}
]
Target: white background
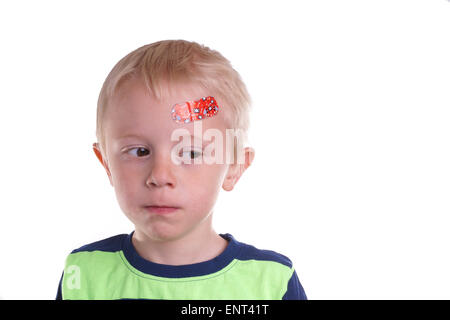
[{"x": 350, "y": 122}]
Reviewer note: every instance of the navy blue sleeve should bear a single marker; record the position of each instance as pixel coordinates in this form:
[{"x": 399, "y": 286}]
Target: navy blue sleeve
[
  {"x": 58, "y": 294},
  {"x": 294, "y": 289}
]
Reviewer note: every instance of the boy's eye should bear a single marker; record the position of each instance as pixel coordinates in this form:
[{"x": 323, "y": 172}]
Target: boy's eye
[
  {"x": 191, "y": 154},
  {"x": 141, "y": 152}
]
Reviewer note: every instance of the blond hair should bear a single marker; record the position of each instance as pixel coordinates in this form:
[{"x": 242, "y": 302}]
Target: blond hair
[{"x": 179, "y": 61}]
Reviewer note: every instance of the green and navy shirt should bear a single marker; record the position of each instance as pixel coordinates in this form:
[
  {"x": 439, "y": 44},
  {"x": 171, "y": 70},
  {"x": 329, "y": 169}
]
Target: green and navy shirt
[{"x": 112, "y": 269}]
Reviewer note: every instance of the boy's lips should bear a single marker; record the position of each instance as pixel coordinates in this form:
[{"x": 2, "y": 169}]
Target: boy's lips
[{"x": 161, "y": 209}]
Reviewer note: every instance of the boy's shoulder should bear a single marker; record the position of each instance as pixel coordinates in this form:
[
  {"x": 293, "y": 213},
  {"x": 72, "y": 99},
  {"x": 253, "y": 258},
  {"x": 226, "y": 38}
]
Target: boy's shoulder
[
  {"x": 110, "y": 244},
  {"x": 250, "y": 252}
]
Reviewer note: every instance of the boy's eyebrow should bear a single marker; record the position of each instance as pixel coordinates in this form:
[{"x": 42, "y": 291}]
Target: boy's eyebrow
[{"x": 128, "y": 136}]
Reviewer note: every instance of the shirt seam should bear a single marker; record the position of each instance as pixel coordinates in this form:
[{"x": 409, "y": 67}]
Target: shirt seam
[
  {"x": 152, "y": 277},
  {"x": 287, "y": 283}
]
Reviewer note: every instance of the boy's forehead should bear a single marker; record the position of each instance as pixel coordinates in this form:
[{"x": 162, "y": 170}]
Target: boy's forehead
[
  {"x": 135, "y": 111},
  {"x": 134, "y": 90}
]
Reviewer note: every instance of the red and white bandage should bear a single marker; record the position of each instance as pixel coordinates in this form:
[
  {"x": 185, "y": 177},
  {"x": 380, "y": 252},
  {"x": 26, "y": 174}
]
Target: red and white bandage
[{"x": 194, "y": 110}]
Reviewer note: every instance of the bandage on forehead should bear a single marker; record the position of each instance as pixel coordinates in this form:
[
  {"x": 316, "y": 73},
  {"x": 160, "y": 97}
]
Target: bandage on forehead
[{"x": 195, "y": 110}]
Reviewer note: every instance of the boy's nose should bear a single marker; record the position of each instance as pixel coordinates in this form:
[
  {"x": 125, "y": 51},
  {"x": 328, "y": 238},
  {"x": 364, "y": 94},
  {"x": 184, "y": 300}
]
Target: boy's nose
[{"x": 161, "y": 173}]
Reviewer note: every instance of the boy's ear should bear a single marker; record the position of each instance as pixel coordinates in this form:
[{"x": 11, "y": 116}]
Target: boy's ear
[
  {"x": 103, "y": 161},
  {"x": 236, "y": 170}
]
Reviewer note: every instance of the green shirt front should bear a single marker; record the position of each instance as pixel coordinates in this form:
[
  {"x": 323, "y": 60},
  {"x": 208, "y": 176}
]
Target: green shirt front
[{"x": 112, "y": 269}]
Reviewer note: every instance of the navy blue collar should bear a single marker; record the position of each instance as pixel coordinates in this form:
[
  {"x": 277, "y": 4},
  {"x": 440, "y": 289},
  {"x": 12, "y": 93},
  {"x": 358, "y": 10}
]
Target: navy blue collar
[{"x": 182, "y": 271}]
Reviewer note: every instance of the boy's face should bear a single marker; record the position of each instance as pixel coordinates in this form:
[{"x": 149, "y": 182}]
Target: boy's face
[{"x": 141, "y": 168}]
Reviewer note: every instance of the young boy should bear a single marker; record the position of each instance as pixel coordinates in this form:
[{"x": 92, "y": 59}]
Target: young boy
[{"x": 168, "y": 188}]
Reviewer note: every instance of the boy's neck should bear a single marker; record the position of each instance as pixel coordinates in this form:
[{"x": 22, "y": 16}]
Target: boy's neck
[{"x": 195, "y": 247}]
